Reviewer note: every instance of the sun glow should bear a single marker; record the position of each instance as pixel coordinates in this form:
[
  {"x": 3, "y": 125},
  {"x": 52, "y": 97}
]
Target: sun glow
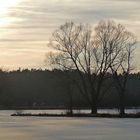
[{"x": 4, "y": 7}]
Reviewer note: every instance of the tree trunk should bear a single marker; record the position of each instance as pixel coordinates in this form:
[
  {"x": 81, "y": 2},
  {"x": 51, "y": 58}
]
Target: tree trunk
[
  {"x": 122, "y": 111},
  {"x": 122, "y": 104},
  {"x": 71, "y": 104},
  {"x": 71, "y": 111},
  {"x": 94, "y": 108}
]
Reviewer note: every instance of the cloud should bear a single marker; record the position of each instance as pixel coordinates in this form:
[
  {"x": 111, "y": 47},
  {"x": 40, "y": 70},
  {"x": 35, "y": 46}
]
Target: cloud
[{"x": 34, "y": 21}]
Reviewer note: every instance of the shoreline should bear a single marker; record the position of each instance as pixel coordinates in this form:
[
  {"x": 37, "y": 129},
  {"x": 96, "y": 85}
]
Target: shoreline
[{"x": 137, "y": 115}]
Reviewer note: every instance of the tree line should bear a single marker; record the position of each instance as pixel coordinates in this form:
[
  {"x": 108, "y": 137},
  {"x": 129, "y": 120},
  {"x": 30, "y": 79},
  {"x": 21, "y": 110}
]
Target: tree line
[{"x": 42, "y": 89}]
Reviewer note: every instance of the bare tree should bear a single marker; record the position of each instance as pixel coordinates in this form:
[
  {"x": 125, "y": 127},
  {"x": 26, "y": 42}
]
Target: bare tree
[
  {"x": 120, "y": 43},
  {"x": 91, "y": 55},
  {"x": 75, "y": 47},
  {"x": 77, "y": 50},
  {"x": 121, "y": 72}
]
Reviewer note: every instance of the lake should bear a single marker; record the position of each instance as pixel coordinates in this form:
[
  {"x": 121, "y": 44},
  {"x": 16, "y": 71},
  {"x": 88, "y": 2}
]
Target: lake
[{"x": 48, "y": 128}]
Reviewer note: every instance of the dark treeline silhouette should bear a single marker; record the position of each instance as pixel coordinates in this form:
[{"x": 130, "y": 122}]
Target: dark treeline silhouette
[{"x": 41, "y": 89}]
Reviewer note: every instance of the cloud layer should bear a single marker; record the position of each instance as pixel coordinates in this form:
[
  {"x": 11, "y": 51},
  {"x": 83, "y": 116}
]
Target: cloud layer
[{"x": 33, "y": 21}]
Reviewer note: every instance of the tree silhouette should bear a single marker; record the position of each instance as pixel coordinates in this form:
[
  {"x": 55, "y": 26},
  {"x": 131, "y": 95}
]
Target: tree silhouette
[{"x": 92, "y": 55}]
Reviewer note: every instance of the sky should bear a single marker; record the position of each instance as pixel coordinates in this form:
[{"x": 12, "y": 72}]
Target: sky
[{"x": 26, "y": 25}]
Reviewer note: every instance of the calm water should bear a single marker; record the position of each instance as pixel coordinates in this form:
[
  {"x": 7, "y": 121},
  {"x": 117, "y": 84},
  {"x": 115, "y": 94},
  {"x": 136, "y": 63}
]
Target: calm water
[{"x": 47, "y": 128}]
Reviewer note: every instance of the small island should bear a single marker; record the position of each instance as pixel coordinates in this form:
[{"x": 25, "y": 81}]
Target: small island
[{"x": 69, "y": 114}]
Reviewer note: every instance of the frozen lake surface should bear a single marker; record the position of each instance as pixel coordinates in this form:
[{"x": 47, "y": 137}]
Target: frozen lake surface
[{"x": 45, "y": 128}]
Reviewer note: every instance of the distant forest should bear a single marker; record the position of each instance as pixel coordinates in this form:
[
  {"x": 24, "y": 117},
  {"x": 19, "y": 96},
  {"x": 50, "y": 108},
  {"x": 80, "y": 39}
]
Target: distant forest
[{"x": 42, "y": 89}]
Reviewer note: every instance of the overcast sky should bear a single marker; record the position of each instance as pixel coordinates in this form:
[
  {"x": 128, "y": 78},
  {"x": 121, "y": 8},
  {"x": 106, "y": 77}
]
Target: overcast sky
[{"x": 26, "y": 25}]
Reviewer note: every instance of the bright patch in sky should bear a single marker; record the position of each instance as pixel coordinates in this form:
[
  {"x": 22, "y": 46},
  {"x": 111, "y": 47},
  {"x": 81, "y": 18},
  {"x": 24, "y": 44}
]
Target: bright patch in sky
[{"x": 4, "y": 5}]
